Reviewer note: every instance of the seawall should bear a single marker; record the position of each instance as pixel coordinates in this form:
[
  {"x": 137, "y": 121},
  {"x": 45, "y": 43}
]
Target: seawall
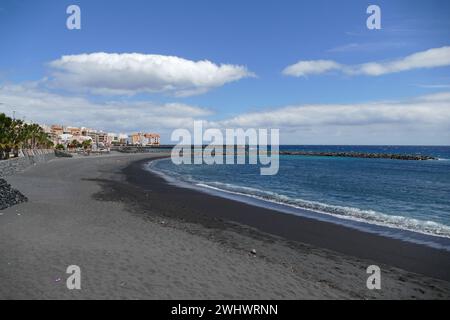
[{"x": 27, "y": 159}]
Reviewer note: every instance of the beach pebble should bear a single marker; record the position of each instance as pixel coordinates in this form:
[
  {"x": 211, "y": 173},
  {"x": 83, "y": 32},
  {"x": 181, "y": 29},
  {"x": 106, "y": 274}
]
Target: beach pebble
[{"x": 9, "y": 196}]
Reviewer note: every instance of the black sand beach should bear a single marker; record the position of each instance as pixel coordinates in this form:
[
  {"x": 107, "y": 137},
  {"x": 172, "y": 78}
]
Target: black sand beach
[
  {"x": 135, "y": 236},
  {"x": 208, "y": 210}
]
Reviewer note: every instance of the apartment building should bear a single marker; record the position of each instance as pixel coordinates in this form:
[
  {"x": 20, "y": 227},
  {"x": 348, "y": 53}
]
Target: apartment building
[
  {"x": 145, "y": 139},
  {"x": 63, "y": 135},
  {"x": 152, "y": 139}
]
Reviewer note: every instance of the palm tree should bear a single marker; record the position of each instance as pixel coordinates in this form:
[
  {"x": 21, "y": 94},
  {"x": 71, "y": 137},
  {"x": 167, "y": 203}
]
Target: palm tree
[
  {"x": 74, "y": 144},
  {"x": 86, "y": 144},
  {"x": 16, "y": 135},
  {"x": 7, "y": 126}
]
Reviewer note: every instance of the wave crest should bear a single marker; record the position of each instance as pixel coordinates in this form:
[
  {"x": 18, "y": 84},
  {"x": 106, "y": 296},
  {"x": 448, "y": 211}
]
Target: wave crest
[{"x": 348, "y": 213}]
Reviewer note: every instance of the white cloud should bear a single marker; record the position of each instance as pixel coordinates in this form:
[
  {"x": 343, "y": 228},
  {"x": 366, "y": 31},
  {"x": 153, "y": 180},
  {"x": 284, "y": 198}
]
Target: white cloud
[
  {"x": 131, "y": 73},
  {"x": 367, "y": 46},
  {"x": 421, "y": 120},
  {"x": 432, "y": 58},
  {"x": 433, "y": 86},
  {"x": 431, "y": 109},
  {"x": 117, "y": 116},
  {"x": 304, "y": 68}
]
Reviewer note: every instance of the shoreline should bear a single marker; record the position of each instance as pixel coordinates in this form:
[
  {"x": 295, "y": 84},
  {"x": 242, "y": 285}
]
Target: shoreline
[
  {"x": 328, "y": 235},
  {"x": 384, "y": 229}
]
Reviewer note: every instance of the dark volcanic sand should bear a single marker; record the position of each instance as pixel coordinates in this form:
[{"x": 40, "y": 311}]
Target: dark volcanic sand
[{"x": 213, "y": 211}]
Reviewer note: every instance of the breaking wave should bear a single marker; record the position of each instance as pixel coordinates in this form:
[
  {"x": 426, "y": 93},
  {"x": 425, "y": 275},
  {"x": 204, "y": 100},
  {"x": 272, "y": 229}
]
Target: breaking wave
[
  {"x": 342, "y": 212},
  {"x": 348, "y": 213}
]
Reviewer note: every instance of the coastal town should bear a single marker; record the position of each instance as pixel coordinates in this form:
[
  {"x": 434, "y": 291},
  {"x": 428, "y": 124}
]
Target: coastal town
[
  {"x": 18, "y": 138},
  {"x": 67, "y": 136}
]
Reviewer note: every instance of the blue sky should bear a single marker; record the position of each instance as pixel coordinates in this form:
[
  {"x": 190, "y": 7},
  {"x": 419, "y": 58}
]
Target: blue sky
[{"x": 265, "y": 37}]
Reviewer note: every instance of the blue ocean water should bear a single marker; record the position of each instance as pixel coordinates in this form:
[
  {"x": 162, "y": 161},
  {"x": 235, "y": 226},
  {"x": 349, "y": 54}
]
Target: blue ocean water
[{"x": 402, "y": 195}]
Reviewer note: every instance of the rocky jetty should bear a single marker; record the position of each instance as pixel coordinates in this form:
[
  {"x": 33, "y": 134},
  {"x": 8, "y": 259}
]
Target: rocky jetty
[
  {"x": 9, "y": 196},
  {"x": 359, "y": 155}
]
